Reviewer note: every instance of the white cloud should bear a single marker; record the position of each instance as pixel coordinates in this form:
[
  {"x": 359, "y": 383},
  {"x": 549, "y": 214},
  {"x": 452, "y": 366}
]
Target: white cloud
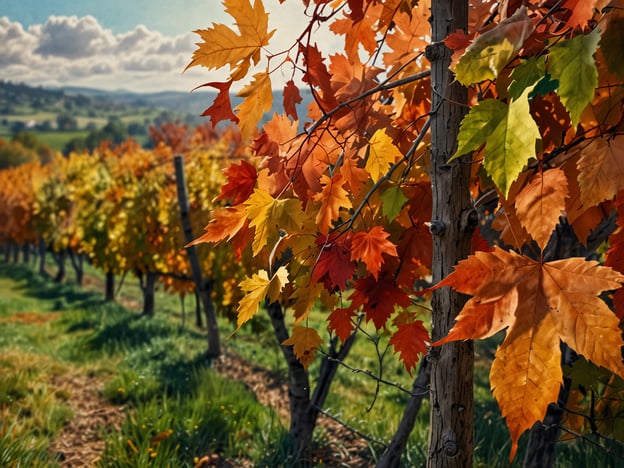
[{"x": 73, "y": 51}]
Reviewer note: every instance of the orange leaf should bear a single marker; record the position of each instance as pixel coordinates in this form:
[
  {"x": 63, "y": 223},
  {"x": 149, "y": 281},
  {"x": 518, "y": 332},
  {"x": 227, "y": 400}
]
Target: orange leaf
[
  {"x": 221, "y": 108},
  {"x": 540, "y": 204},
  {"x": 409, "y": 341},
  {"x": 601, "y": 170},
  {"x": 340, "y": 322},
  {"x": 333, "y": 198},
  {"x": 541, "y": 304},
  {"x": 369, "y": 247},
  {"x": 241, "y": 182},
  {"x": 305, "y": 341},
  {"x": 227, "y": 222}
]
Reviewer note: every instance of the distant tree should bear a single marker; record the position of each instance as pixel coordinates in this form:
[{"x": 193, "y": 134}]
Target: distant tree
[
  {"x": 66, "y": 122},
  {"x": 75, "y": 145},
  {"x": 136, "y": 128}
]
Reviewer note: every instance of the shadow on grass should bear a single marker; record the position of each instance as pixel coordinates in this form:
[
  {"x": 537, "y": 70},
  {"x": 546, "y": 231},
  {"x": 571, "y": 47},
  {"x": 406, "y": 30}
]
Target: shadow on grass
[{"x": 33, "y": 284}]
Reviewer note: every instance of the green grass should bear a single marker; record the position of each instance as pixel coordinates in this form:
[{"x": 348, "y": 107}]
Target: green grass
[{"x": 157, "y": 368}]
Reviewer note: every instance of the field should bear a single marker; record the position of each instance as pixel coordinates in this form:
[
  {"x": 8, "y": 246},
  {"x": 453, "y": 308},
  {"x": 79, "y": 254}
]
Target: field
[{"x": 85, "y": 379}]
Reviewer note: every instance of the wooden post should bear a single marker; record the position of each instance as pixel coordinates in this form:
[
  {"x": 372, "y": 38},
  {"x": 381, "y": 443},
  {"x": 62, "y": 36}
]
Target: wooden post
[{"x": 203, "y": 285}]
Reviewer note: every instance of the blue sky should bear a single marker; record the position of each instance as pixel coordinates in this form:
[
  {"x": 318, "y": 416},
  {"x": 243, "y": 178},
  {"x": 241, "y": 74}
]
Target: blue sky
[
  {"x": 169, "y": 17},
  {"x": 136, "y": 45}
]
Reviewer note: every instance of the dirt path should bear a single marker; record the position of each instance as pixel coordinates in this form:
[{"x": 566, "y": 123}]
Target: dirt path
[{"x": 81, "y": 442}]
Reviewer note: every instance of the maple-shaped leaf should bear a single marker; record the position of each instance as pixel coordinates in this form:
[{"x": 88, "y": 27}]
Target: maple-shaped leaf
[
  {"x": 509, "y": 133},
  {"x": 601, "y": 170},
  {"x": 341, "y": 323},
  {"x": 305, "y": 341},
  {"x": 381, "y": 155},
  {"x": 241, "y": 182},
  {"x": 540, "y": 303},
  {"x": 571, "y": 62},
  {"x": 333, "y": 198},
  {"x": 378, "y": 298},
  {"x": 305, "y": 298},
  {"x": 410, "y": 340},
  {"x": 221, "y": 108},
  {"x": 267, "y": 215},
  {"x": 292, "y": 97},
  {"x": 226, "y": 223},
  {"x": 334, "y": 265},
  {"x": 369, "y": 247},
  {"x": 257, "y": 99},
  {"x": 580, "y": 11},
  {"x": 223, "y": 46},
  {"x": 358, "y": 33},
  {"x": 492, "y": 50},
  {"x": 541, "y": 202},
  {"x": 256, "y": 289}
]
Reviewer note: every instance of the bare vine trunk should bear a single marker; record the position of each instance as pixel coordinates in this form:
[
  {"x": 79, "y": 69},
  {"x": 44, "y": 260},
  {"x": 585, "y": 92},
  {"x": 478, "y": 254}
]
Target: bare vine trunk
[
  {"x": 391, "y": 457},
  {"x": 148, "y": 287},
  {"x": 305, "y": 408},
  {"x": 109, "y": 286},
  {"x": 203, "y": 286},
  {"x": 453, "y": 222}
]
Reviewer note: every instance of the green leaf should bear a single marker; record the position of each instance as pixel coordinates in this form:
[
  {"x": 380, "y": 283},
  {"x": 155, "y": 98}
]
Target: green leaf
[
  {"x": 491, "y": 51},
  {"x": 511, "y": 144},
  {"x": 393, "y": 200},
  {"x": 478, "y": 125},
  {"x": 525, "y": 75},
  {"x": 572, "y": 64}
]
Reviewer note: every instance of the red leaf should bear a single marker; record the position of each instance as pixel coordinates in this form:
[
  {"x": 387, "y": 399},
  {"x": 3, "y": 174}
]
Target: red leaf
[
  {"x": 340, "y": 322},
  {"x": 241, "y": 182},
  {"x": 291, "y": 98},
  {"x": 334, "y": 266},
  {"x": 378, "y": 298},
  {"x": 409, "y": 341},
  {"x": 369, "y": 247},
  {"x": 221, "y": 108}
]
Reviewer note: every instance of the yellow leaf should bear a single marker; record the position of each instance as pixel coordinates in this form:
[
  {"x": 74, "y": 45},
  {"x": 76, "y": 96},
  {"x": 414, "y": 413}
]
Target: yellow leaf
[
  {"x": 257, "y": 99},
  {"x": 382, "y": 154},
  {"x": 305, "y": 342},
  {"x": 256, "y": 289},
  {"x": 224, "y": 46},
  {"x": 267, "y": 215}
]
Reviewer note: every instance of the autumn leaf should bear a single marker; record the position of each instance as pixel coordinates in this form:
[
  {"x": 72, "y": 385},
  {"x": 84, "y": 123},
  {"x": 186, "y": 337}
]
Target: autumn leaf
[
  {"x": 226, "y": 223},
  {"x": 410, "y": 340},
  {"x": 333, "y": 198},
  {"x": 378, "y": 298},
  {"x": 341, "y": 323},
  {"x": 256, "y": 289},
  {"x": 305, "y": 341},
  {"x": 292, "y": 97},
  {"x": 571, "y": 62},
  {"x": 601, "y": 170},
  {"x": 222, "y": 45},
  {"x": 540, "y": 304},
  {"x": 221, "y": 108},
  {"x": 492, "y": 50},
  {"x": 241, "y": 182},
  {"x": 334, "y": 265},
  {"x": 267, "y": 215},
  {"x": 257, "y": 99},
  {"x": 369, "y": 247},
  {"x": 541, "y": 202},
  {"x": 382, "y": 154},
  {"x": 305, "y": 299}
]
